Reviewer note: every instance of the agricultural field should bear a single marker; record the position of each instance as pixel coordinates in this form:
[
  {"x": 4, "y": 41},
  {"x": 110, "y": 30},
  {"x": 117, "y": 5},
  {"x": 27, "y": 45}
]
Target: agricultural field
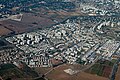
[
  {"x": 10, "y": 71},
  {"x": 102, "y": 68}
]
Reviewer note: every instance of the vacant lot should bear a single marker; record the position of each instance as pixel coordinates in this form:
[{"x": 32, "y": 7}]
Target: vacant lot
[
  {"x": 36, "y": 20},
  {"x": 118, "y": 74},
  {"x": 4, "y": 31},
  {"x": 59, "y": 74},
  {"x": 29, "y": 22},
  {"x": 42, "y": 70}
]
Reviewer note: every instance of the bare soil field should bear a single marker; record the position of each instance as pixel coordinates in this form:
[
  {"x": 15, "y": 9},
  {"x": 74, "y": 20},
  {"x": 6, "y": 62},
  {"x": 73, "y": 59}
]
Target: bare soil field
[
  {"x": 59, "y": 74},
  {"x": 107, "y": 71},
  {"x": 37, "y": 20},
  {"x": 16, "y": 26},
  {"x": 42, "y": 70},
  {"x": 117, "y": 77},
  {"x": 29, "y": 22},
  {"x": 4, "y": 31}
]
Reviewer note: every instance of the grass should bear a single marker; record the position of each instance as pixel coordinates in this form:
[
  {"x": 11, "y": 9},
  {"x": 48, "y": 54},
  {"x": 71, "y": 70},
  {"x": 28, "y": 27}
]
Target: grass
[
  {"x": 97, "y": 69},
  {"x": 11, "y": 71},
  {"x": 7, "y": 66},
  {"x": 100, "y": 71},
  {"x": 80, "y": 61}
]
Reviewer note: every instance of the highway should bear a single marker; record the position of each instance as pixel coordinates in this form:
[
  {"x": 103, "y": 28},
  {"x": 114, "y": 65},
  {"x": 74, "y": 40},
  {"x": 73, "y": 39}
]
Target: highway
[{"x": 114, "y": 70}]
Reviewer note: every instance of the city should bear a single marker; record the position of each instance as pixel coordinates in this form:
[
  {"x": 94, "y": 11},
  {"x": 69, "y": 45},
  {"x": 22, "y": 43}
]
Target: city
[{"x": 72, "y": 39}]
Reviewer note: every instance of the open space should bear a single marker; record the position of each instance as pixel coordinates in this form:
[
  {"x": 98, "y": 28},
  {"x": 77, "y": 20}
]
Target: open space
[{"x": 59, "y": 74}]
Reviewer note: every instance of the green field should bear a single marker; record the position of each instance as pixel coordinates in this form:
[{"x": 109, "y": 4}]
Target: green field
[
  {"x": 11, "y": 71},
  {"x": 100, "y": 67}
]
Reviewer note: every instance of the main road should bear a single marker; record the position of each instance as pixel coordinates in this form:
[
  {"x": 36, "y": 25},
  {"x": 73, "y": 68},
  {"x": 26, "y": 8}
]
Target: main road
[{"x": 114, "y": 70}]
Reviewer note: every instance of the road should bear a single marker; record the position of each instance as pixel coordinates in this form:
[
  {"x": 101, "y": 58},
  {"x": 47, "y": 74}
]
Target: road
[{"x": 114, "y": 70}]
